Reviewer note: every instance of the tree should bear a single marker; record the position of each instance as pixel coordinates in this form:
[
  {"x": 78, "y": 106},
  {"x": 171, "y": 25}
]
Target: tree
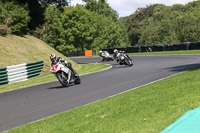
[
  {"x": 102, "y": 8},
  {"x": 138, "y": 22},
  {"x": 14, "y": 17},
  {"x": 160, "y": 24},
  {"x": 37, "y": 7},
  {"x": 77, "y": 29},
  {"x": 51, "y": 30}
]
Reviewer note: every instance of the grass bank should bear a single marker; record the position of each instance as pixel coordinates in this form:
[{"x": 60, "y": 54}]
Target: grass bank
[
  {"x": 147, "y": 109},
  {"x": 17, "y": 50}
]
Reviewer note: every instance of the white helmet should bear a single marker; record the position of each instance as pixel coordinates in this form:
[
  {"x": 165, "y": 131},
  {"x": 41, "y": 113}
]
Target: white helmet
[
  {"x": 100, "y": 51},
  {"x": 115, "y": 51},
  {"x": 53, "y": 57}
]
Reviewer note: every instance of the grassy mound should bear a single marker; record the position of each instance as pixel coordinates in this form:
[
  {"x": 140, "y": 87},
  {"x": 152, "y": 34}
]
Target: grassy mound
[{"x": 17, "y": 50}]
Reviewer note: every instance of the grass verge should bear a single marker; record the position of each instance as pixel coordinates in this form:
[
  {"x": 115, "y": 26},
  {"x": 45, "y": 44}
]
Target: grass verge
[
  {"x": 85, "y": 69},
  {"x": 147, "y": 109}
]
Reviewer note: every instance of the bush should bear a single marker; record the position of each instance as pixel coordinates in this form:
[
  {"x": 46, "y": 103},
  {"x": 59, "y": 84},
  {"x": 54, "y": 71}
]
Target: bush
[{"x": 14, "y": 17}]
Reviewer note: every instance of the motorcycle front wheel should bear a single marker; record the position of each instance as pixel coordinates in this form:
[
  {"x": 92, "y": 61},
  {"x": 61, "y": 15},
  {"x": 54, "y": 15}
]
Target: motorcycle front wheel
[
  {"x": 62, "y": 77},
  {"x": 128, "y": 62},
  {"x": 77, "y": 80}
]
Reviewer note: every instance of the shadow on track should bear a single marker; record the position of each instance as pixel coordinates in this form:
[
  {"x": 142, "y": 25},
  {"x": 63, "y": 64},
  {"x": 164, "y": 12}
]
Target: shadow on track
[
  {"x": 116, "y": 66},
  {"x": 183, "y": 67},
  {"x": 61, "y": 87}
]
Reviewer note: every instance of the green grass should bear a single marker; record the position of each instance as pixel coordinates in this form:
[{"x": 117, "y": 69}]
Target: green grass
[
  {"x": 85, "y": 69},
  {"x": 148, "y": 109}
]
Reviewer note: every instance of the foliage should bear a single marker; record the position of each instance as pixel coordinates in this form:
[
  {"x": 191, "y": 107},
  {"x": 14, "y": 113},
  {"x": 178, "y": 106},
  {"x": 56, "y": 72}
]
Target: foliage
[
  {"x": 160, "y": 24},
  {"x": 77, "y": 29},
  {"x": 101, "y": 7},
  {"x": 96, "y": 25},
  {"x": 36, "y": 11},
  {"x": 138, "y": 22},
  {"x": 13, "y": 17},
  {"x": 51, "y": 29}
]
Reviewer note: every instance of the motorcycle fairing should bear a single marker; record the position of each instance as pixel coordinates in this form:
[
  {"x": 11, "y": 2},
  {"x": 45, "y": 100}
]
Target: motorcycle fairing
[{"x": 60, "y": 67}]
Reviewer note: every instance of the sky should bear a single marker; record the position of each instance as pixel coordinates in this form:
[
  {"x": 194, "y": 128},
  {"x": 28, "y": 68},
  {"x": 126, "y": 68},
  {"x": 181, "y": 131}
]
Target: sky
[{"x": 128, "y": 7}]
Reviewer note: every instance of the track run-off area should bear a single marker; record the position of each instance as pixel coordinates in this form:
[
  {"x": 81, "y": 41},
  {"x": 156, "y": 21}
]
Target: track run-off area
[{"x": 37, "y": 102}]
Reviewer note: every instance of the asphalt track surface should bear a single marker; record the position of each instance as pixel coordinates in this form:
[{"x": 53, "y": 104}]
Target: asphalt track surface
[{"x": 37, "y": 102}]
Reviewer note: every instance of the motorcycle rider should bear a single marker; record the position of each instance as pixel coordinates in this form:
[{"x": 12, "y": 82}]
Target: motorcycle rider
[
  {"x": 100, "y": 53},
  {"x": 116, "y": 55},
  {"x": 54, "y": 60},
  {"x": 104, "y": 55}
]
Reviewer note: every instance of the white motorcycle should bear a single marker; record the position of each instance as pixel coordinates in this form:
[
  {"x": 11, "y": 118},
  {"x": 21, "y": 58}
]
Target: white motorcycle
[
  {"x": 65, "y": 75},
  {"x": 125, "y": 60},
  {"x": 105, "y": 56}
]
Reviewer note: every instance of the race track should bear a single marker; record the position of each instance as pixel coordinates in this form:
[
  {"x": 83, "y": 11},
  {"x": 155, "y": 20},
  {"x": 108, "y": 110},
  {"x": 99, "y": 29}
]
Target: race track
[{"x": 33, "y": 103}]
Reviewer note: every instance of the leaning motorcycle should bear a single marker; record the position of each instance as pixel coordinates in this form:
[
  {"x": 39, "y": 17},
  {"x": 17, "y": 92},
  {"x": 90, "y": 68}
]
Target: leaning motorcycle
[
  {"x": 125, "y": 60},
  {"x": 65, "y": 75},
  {"x": 106, "y": 57}
]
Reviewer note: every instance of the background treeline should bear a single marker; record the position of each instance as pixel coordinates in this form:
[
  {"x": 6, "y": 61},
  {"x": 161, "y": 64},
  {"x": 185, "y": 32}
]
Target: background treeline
[
  {"x": 95, "y": 25},
  {"x": 160, "y": 24}
]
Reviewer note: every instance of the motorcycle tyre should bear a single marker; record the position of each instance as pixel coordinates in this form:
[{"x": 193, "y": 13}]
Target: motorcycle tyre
[
  {"x": 65, "y": 84},
  {"x": 129, "y": 63},
  {"x": 77, "y": 80}
]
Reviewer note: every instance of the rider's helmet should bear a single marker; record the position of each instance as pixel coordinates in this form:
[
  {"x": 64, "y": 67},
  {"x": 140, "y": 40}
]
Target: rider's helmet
[
  {"x": 100, "y": 51},
  {"x": 53, "y": 58},
  {"x": 115, "y": 51}
]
